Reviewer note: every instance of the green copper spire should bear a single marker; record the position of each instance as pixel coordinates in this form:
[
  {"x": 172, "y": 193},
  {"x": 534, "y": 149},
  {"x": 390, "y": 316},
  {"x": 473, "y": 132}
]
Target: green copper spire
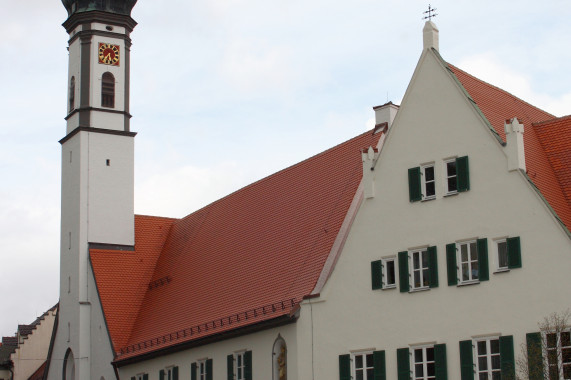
[{"x": 122, "y": 7}]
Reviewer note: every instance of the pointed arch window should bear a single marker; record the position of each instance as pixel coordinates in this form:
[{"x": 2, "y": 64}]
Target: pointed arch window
[
  {"x": 108, "y": 90},
  {"x": 72, "y": 94}
]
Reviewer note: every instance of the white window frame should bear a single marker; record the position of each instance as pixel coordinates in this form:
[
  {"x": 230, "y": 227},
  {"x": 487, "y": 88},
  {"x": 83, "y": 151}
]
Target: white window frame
[
  {"x": 489, "y": 355},
  {"x": 447, "y": 176},
  {"x": 424, "y": 182},
  {"x": 470, "y": 262},
  {"x": 424, "y": 272},
  {"x": 239, "y": 365},
  {"x": 140, "y": 376},
  {"x": 354, "y": 368},
  {"x": 201, "y": 369},
  {"x": 385, "y": 263},
  {"x": 425, "y": 362},
  {"x": 169, "y": 373},
  {"x": 497, "y": 242},
  {"x": 559, "y": 354}
]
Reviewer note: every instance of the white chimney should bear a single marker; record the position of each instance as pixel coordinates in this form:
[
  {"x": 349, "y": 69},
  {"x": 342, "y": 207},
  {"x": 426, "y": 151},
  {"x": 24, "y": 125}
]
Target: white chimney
[
  {"x": 514, "y": 144},
  {"x": 430, "y": 35},
  {"x": 384, "y": 115},
  {"x": 369, "y": 156}
]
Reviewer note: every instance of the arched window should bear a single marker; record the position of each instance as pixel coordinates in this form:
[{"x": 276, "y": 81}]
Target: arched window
[
  {"x": 279, "y": 355},
  {"x": 72, "y": 94},
  {"x": 108, "y": 90},
  {"x": 69, "y": 366}
]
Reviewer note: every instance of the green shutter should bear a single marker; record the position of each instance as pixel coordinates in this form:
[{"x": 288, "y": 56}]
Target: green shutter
[
  {"x": 514, "y": 252},
  {"x": 162, "y": 374},
  {"x": 466, "y": 360},
  {"x": 379, "y": 366},
  {"x": 441, "y": 367},
  {"x": 193, "y": 370},
  {"x": 534, "y": 356},
  {"x": 483, "y": 267},
  {"x": 432, "y": 267},
  {"x": 345, "y": 367},
  {"x": 230, "y": 367},
  {"x": 174, "y": 373},
  {"x": 507, "y": 359},
  {"x": 414, "y": 193},
  {"x": 462, "y": 174},
  {"x": 451, "y": 264},
  {"x": 209, "y": 369},
  {"x": 403, "y": 364},
  {"x": 146, "y": 376},
  {"x": 403, "y": 272},
  {"x": 248, "y": 365},
  {"x": 133, "y": 378},
  {"x": 377, "y": 274}
]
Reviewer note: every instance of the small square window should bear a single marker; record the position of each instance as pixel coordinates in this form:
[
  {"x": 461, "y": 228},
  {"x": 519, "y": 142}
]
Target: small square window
[
  {"x": 428, "y": 182},
  {"x": 451, "y": 176}
]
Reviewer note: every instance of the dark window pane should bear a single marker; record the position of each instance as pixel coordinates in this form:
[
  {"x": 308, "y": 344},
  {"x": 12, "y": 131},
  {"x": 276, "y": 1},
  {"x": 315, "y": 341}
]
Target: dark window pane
[
  {"x": 496, "y": 375},
  {"x": 416, "y": 279},
  {"x": 391, "y": 273},
  {"x": 429, "y": 173},
  {"x": 369, "y": 360},
  {"x": 483, "y": 376},
  {"x": 418, "y": 370},
  {"x": 418, "y": 356},
  {"x": 567, "y": 372},
  {"x": 430, "y": 371},
  {"x": 430, "y": 354},
  {"x": 552, "y": 357},
  {"x": 553, "y": 373},
  {"x": 370, "y": 374},
  {"x": 482, "y": 363},
  {"x": 495, "y": 346},
  {"x": 358, "y": 361},
  {"x": 566, "y": 355},
  {"x": 482, "y": 348},
  {"x": 451, "y": 168},
  {"x": 430, "y": 189},
  {"x": 359, "y": 375},
  {"x": 551, "y": 340},
  {"x": 496, "y": 362},
  {"x": 565, "y": 339},
  {"x": 503, "y": 254},
  {"x": 452, "y": 185}
]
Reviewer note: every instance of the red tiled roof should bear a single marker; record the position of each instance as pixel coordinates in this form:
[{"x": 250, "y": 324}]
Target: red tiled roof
[
  {"x": 260, "y": 246},
  {"x": 545, "y": 144},
  {"x": 39, "y": 374}
]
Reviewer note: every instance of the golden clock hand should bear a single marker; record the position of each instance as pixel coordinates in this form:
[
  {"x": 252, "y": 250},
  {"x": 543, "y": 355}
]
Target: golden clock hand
[{"x": 108, "y": 56}]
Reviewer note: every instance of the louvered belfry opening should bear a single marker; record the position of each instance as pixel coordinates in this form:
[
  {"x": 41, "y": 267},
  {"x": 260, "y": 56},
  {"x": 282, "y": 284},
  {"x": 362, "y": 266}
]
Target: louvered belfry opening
[{"x": 108, "y": 90}]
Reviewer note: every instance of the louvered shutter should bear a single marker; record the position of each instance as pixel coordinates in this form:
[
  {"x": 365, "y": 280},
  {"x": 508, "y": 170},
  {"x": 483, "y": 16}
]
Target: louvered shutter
[
  {"x": 209, "y": 369},
  {"x": 174, "y": 373},
  {"x": 514, "y": 252},
  {"x": 483, "y": 266},
  {"x": 344, "y": 367},
  {"x": 248, "y": 365},
  {"x": 534, "y": 356},
  {"x": 463, "y": 174},
  {"x": 193, "y": 371},
  {"x": 146, "y": 376},
  {"x": 466, "y": 360},
  {"x": 414, "y": 192},
  {"x": 403, "y": 364},
  {"x": 377, "y": 274},
  {"x": 451, "y": 264},
  {"x": 507, "y": 359},
  {"x": 133, "y": 378},
  {"x": 403, "y": 272},
  {"x": 379, "y": 366},
  {"x": 440, "y": 364},
  {"x": 162, "y": 374},
  {"x": 230, "y": 367},
  {"x": 432, "y": 267}
]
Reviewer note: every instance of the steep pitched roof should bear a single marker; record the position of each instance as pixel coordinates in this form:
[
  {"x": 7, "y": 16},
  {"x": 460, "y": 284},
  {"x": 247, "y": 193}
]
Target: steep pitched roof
[
  {"x": 245, "y": 259},
  {"x": 547, "y": 144}
]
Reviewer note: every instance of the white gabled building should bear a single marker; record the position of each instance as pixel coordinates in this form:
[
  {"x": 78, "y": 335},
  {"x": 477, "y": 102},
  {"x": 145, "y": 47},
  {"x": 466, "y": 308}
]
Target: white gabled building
[{"x": 427, "y": 248}]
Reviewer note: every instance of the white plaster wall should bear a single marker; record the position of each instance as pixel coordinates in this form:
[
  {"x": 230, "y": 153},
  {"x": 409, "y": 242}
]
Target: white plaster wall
[
  {"x": 73, "y": 71},
  {"x": 4, "y": 374},
  {"x": 436, "y": 122},
  {"x": 108, "y": 120},
  {"x": 260, "y": 343},
  {"x": 111, "y": 188},
  {"x": 103, "y": 27},
  {"x": 33, "y": 351}
]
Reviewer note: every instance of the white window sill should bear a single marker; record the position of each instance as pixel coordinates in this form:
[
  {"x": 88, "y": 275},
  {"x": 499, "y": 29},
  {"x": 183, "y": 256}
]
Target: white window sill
[
  {"x": 419, "y": 289},
  {"x": 501, "y": 270},
  {"x": 471, "y": 282},
  {"x": 451, "y": 194},
  {"x": 389, "y": 287}
]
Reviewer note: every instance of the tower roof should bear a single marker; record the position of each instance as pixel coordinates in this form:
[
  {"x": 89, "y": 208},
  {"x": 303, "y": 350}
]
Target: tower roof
[{"x": 122, "y": 7}]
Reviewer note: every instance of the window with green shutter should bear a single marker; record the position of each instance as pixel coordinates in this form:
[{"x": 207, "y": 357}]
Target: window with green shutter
[
  {"x": 345, "y": 367},
  {"x": 380, "y": 370},
  {"x": 432, "y": 267},
  {"x": 462, "y": 168},
  {"x": 466, "y": 360},
  {"x": 514, "y": 252},
  {"x": 414, "y": 186},
  {"x": 230, "y": 367},
  {"x": 451, "y": 265},
  {"x": 484, "y": 272},
  {"x": 383, "y": 273},
  {"x": 247, "y": 365},
  {"x": 440, "y": 363},
  {"x": 507, "y": 359},
  {"x": 193, "y": 371},
  {"x": 209, "y": 369},
  {"x": 403, "y": 364},
  {"x": 377, "y": 274},
  {"x": 403, "y": 271},
  {"x": 534, "y": 356}
]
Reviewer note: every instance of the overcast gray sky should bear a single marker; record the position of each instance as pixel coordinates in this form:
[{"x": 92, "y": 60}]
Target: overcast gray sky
[{"x": 225, "y": 92}]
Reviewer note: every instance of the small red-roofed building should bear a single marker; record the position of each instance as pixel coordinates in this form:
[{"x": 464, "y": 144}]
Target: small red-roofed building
[{"x": 429, "y": 247}]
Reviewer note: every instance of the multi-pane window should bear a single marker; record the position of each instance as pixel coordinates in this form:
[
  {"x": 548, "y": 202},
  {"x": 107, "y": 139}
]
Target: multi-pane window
[
  {"x": 428, "y": 182},
  {"x": 559, "y": 355},
  {"x": 488, "y": 359},
  {"x": 108, "y": 90},
  {"x": 420, "y": 269},
  {"x": 202, "y": 370},
  {"x": 423, "y": 364},
  {"x": 363, "y": 368},
  {"x": 451, "y": 176},
  {"x": 240, "y": 366},
  {"x": 502, "y": 254},
  {"x": 389, "y": 274},
  {"x": 468, "y": 260}
]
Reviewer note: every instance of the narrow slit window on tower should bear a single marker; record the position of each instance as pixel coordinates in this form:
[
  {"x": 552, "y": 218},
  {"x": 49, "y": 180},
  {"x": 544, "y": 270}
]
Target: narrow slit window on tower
[
  {"x": 108, "y": 90},
  {"x": 108, "y": 162},
  {"x": 72, "y": 94}
]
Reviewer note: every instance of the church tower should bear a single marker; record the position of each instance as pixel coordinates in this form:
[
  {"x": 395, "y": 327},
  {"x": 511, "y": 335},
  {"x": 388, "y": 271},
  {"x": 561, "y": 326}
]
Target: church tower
[{"x": 97, "y": 179}]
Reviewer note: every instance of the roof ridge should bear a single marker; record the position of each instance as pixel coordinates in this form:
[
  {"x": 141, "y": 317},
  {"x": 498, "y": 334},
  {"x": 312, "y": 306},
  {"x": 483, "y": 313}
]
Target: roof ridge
[
  {"x": 499, "y": 89},
  {"x": 548, "y": 121},
  {"x": 156, "y": 217},
  {"x": 291, "y": 167}
]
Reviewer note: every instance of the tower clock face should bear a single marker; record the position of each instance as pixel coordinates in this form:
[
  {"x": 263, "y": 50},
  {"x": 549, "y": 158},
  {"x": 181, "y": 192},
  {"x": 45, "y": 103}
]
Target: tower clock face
[{"x": 109, "y": 54}]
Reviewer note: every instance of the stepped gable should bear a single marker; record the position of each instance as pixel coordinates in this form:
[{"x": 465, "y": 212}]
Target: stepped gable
[
  {"x": 245, "y": 260},
  {"x": 497, "y": 106},
  {"x": 122, "y": 277}
]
